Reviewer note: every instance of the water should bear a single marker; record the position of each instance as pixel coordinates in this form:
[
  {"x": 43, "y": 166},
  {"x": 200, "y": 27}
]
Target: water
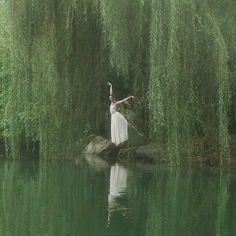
[{"x": 66, "y": 198}]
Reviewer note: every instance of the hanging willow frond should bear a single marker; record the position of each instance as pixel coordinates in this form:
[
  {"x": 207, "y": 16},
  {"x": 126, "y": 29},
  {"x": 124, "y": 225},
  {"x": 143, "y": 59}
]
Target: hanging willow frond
[{"x": 55, "y": 57}]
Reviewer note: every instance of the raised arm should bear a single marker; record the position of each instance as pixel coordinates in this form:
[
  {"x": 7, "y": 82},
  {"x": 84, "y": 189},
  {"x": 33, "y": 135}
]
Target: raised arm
[
  {"x": 110, "y": 85},
  {"x": 124, "y": 100}
]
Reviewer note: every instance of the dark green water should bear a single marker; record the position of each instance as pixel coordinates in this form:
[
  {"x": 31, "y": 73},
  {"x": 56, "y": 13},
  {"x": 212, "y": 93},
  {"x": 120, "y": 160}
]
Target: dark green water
[{"x": 64, "y": 198}]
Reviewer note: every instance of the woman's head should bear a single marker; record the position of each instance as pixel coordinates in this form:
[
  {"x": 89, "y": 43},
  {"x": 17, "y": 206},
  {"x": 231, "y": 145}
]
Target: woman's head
[{"x": 112, "y": 99}]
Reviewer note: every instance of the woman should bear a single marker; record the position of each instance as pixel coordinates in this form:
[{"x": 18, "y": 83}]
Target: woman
[{"x": 119, "y": 125}]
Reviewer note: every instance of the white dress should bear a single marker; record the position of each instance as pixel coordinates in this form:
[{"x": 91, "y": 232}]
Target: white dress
[{"x": 119, "y": 126}]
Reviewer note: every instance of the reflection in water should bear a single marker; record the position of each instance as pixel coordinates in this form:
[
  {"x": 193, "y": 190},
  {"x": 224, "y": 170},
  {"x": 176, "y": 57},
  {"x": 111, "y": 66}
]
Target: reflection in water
[
  {"x": 60, "y": 199},
  {"x": 117, "y": 191},
  {"x": 64, "y": 199},
  {"x": 118, "y": 181},
  {"x": 189, "y": 203}
]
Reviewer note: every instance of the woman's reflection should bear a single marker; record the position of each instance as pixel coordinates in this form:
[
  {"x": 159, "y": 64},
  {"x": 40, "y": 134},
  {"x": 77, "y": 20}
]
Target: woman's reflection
[{"x": 117, "y": 202}]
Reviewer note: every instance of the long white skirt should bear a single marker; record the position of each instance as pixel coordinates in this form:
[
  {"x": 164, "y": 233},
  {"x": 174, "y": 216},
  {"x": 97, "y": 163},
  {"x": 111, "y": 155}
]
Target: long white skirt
[{"x": 119, "y": 128}]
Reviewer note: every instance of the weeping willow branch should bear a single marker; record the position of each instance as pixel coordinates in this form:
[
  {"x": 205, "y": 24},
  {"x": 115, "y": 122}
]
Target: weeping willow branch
[
  {"x": 57, "y": 55},
  {"x": 182, "y": 106}
]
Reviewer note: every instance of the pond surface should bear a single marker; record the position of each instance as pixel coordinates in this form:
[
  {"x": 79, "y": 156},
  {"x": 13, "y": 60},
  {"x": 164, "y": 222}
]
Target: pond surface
[{"x": 65, "y": 198}]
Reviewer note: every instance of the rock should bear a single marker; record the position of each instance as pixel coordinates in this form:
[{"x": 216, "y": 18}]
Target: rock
[
  {"x": 100, "y": 146},
  {"x": 148, "y": 153},
  {"x": 96, "y": 162},
  {"x": 105, "y": 149},
  {"x": 126, "y": 153}
]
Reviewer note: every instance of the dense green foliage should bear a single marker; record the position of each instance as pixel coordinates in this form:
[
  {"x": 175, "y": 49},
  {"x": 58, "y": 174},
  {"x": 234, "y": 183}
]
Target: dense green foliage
[{"x": 176, "y": 56}]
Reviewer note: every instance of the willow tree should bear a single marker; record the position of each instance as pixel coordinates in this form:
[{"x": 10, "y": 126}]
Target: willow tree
[
  {"x": 54, "y": 92},
  {"x": 187, "y": 96},
  {"x": 170, "y": 53},
  {"x": 226, "y": 24}
]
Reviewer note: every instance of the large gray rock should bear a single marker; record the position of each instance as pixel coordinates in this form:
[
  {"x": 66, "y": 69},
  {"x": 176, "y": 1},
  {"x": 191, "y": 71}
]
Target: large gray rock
[
  {"x": 100, "y": 146},
  {"x": 148, "y": 152}
]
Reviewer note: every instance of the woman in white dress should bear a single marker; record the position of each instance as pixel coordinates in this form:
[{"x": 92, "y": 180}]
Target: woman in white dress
[{"x": 119, "y": 125}]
